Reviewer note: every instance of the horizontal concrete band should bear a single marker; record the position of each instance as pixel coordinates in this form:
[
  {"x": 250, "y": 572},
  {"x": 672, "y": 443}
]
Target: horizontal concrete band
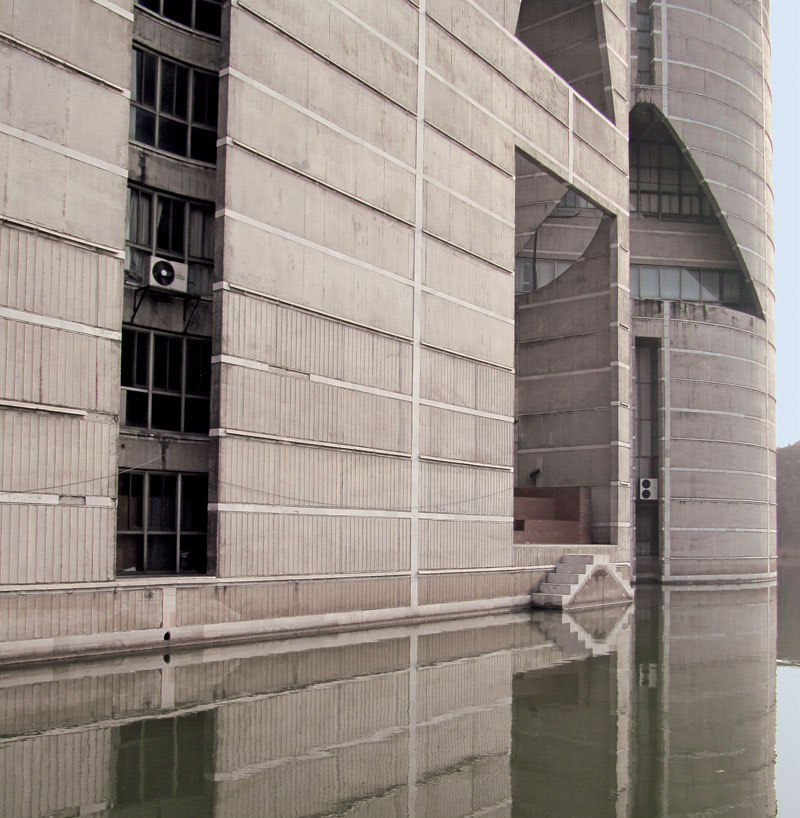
[{"x": 161, "y": 638}]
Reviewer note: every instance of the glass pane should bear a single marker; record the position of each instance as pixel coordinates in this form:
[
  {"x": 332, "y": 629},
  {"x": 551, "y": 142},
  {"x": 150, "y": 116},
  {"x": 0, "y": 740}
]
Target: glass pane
[
  {"x": 163, "y": 502},
  {"x": 130, "y": 553},
  {"x": 196, "y": 416},
  {"x": 174, "y": 89},
  {"x": 561, "y": 266},
  {"x": 179, "y": 10},
  {"x": 167, "y": 362},
  {"x": 136, "y": 262},
  {"x": 194, "y": 502},
  {"x": 198, "y": 367},
  {"x": 143, "y": 78},
  {"x": 204, "y": 145},
  {"x": 128, "y": 357},
  {"x": 204, "y": 108},
  {"x": 161, "y": 557},
  {"x": 523, "y": 274},
  {"x": 649, "y": 282},
  {"x": 731, "y": 289},
  {"x": 690, "y": 284},
  {"x": 193, "y": 554},
  {"x": 166, "y": 412},
  {"x": 635, "y": 280},
  {"x": 143, "y": 126},
  {"x": 172, "y": 136},
  {"x": 200, "y": 279},
  {"x": 671, "y": 283},
  {"x": 142, "y": 359},
  {"x": 545, "y": 272},
  {"x": 153, "y": 5},
  {"x": 134, "y": 409},
  {"x": 710, "y": 291},
  {"x": 207, "y": 17}
]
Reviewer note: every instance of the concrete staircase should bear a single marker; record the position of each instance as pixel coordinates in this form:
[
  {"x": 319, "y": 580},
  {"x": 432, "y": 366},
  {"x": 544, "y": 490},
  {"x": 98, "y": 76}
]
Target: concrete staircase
[
  {"x": 582, "y": 581},
  {"x": 558, "y": 515}
]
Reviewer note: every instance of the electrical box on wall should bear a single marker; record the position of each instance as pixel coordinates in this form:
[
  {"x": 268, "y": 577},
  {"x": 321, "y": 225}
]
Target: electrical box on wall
[{"x": 648, "y": 489}]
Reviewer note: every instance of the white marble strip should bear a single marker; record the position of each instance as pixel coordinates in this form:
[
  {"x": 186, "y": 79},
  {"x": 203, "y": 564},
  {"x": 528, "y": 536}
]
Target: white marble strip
[
  {"x": 54, "y": 147},
  {"x": 59, "y": 323}
]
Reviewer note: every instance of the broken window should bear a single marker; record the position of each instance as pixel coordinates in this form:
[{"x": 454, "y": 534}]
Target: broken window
[
  {"x": 162, "y": 520},
  {"x": 166, "y": 381}
]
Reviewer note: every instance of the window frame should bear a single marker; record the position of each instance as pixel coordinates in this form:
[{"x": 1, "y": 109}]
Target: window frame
[
  {"x": 726, "y": 281},
  {"x": 200, "y": 266},
  {"x": 150, "y": 389},
  {"x": 141, "y": 106},
  {"x": 146, "y": 532},
  {"x": 191, "y": 26}
]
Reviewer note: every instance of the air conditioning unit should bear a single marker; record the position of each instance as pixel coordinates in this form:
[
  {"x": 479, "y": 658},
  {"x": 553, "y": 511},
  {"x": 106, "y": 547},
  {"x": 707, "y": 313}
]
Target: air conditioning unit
[
  {"x": 648, "y": 489},
  {"x": 168, "y": 275}
]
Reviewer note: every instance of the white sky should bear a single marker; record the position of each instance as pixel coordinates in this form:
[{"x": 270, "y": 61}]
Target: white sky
[{"x": 785, "y": 37}]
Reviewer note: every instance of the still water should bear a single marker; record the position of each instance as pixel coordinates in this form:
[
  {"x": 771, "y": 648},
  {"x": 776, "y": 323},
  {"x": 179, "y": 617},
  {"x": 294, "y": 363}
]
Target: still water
[{"x": 665, "y": 710}]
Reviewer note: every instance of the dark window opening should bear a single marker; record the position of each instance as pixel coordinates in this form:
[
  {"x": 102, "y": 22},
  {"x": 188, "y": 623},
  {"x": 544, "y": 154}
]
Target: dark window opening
[
  {"x": 173, "y": 228},
  {"x": 166, "y": 381},
  {"x": 643, "y": 48},
  {"x": 173, "y": 106},
  {"x": 201, "y": 15},
  {"x": 162, "y": 523}
]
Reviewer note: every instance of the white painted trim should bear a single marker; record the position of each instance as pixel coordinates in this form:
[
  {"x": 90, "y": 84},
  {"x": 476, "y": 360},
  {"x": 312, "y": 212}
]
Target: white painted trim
[
  {"x": 293, "y": 237},
  {"x": 465, "y": 410},
  {"x": 731, "y": 530},
  {"x": 568, "y": 374},
  {"x": 718, "y": 412},
  {"x": 55, "y": 147},
  {"x": 59, "y": 323},
  {"x": 725, "y": 471},
  {"x": 474, "y": 307},
  {"x": 718, "y": 355},
  {"x": 42, "y": 407},
  {"x": 716, "y": 20},
  {"x": 84, "y": 244},
  {"x": 271, "y": 92},
  {"x": 310, "y": 511},
  {"x": 471, "y": 202},
  {"x": 582, "y": 297},
  {"x": 258, "y": 366},
  {"x": 25, "y": 498},
  {"x": 375, "y": 33},
  {"x": 322, "y": 444},
  {"x": 113, "y": 7},
  {"x": 464, "y": 518}
]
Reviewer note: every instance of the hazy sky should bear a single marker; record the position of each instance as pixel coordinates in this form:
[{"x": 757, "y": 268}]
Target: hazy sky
[{"x": 785, "y": 37}]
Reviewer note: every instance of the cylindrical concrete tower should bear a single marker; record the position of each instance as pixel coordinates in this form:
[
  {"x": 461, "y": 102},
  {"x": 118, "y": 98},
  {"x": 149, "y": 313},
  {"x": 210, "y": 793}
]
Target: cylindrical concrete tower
[{"x": 702, "y": 282}]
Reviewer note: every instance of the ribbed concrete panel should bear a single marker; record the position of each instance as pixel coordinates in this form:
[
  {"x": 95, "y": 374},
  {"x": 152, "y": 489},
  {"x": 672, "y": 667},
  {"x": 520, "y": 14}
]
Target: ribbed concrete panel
[
  {"x": 238, "y": 603},
  {"x": 76, "y": 613},
  {"x": 295, "y": 407},
  {"x": 52, "y": 278},
  {"x": 329, "y": 715},
  {"x": 478, "y": 786},
  {"x": 287, "y": 70},
  {"x": 447, "y": 544},
  {"x": 470, "y": 683},
  {"x": 281, "y": 544},
  {"x": 469, "y": 490},
  {"x": 345, "y": 40},
  {"x": 462, "y": 382},
  {"x": 708, "y": 483},
  {"x": 273, "y": 474},
  {"x": 62, "y": 543},
  {"x": 58, "y": 368},
  {"x": 57, "y": 455},
  {"x": 323, "y": 217},
  {"x": 277, "y": 335},
  {"x": 457, "y": 588},
  {"x": 455, "y": 328},
  {"x": 462, "y": 436},
  {"x": 65, "y": 702},
  {"x": 332, "y": 284},
  {"x": 453, "y": 272},
  {"x": 270, "y": 127},
  {"x": 444, "y": 744},
  {"x": 57, "y": 774}
]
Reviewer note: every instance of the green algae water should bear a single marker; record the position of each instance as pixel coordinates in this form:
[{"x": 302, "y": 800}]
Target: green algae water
[{"x": 673, "y": 707}]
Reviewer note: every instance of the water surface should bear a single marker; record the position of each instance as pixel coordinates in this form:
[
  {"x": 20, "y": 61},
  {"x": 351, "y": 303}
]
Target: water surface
[{"x": 665, "y": 710}]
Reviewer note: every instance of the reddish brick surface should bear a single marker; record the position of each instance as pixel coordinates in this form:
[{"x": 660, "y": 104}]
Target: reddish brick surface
[{"x": 554, "y": 515}]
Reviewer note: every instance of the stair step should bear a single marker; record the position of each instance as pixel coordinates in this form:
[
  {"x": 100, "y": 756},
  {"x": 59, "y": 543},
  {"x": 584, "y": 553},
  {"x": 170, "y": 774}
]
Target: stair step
[
  {"x": 548, "y": 587},
  {"x": 547, "y": 600},
  {"x": 578, "y": 559},
  {"x": 566, "y": 575}
]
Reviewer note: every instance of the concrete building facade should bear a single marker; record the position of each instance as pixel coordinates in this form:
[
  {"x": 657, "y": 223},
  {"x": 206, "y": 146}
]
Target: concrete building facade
[{"x": 295, "y": 295}]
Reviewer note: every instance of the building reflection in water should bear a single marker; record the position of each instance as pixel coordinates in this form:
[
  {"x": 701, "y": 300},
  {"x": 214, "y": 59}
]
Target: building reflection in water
[{"x": 521, "y": 715}]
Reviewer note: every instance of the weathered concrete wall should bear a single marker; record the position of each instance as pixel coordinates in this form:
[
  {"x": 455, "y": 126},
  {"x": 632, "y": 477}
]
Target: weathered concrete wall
[{"x": 63, "y": 218}]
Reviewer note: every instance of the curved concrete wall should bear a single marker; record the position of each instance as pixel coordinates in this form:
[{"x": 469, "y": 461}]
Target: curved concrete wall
[{"x": 717, "y": 404}]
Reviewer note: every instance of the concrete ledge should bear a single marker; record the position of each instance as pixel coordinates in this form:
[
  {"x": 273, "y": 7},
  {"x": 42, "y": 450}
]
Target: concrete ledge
[{"x": 161, "y": 639}]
